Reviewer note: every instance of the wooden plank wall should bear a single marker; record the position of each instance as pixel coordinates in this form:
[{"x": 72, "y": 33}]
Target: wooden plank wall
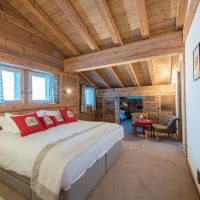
[
  {"x": 68, "y": 81},
  {"x": 89, "y": 115},
  {"x": 159, "y": 101},
  {"x": 23, "y": 44},
  {"x": 21, "y": 47}
]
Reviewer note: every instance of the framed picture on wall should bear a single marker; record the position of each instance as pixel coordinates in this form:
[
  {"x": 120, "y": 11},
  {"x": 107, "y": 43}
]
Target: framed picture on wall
[{"x": 196, "y": 62}]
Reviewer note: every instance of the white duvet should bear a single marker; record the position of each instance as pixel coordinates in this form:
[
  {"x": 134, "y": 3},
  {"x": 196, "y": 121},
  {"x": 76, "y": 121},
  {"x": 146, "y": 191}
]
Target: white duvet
[{"x": 19, "y": 153}]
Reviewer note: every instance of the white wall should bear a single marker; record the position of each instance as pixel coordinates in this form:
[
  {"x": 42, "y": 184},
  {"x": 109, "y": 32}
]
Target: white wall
[{"x": 193, "y": 97}]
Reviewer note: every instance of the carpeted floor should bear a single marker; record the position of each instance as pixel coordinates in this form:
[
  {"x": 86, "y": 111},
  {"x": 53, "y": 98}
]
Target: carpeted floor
[{"x": 147, "y": 170}]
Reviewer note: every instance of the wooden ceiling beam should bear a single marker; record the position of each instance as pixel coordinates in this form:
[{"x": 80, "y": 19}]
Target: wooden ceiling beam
[
  {"x": 141, "y": 10},
  {"x": 88, "y": 80},
  {"x": 181, "y": 14},
  {"x": 155, "y": 47},
  {"x": 98, "y": 74},
  {"x": 111, "y": 69},
  {"x": 191, "y": 10},
  {"x": 34, "y": 7},
  {"x": 151, "y": 68},
  {"x": 108, "y": 20},
  {"x": 110, "y": 24},
  {"x": 77, "y": 23},
  {"x": 132, "y": 74}
]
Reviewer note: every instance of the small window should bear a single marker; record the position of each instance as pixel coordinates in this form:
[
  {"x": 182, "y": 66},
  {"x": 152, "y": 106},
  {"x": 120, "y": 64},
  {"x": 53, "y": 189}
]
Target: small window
[
  {"x": 39, "y": 87},
  {"x": 11, "y": 82},
  {"x": 45, "y": 88},
  {"x": 89, "y": 96}
]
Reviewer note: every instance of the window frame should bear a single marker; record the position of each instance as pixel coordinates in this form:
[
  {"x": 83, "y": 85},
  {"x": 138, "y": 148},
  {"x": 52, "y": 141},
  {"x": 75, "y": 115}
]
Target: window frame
[
  {"x": 12, "y": 69},
  {"x": 88, "y": 105},
  {"x": 30, "y": 100}
]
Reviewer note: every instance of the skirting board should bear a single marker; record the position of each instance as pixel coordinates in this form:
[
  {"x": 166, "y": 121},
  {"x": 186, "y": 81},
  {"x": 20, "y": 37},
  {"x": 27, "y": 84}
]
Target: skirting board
[
  {"x": 193, "y": 178},
  {"x": 79, "y": 190}
]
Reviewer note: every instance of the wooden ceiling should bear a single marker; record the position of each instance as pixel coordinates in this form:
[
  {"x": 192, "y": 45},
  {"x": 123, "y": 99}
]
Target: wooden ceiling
[{"x": 78, "y": 27}]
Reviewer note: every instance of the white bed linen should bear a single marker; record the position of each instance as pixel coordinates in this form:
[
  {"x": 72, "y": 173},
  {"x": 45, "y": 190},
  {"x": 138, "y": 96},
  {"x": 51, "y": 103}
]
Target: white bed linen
[{"x": 19, "y": 153}]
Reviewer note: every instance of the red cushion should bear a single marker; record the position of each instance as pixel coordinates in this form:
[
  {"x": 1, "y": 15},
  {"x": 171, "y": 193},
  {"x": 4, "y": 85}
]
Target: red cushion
[
  {"x": 58, "y": 120},
  {"x": 68, "y": 115},
  {"x": 47, "y": 122},
  {"x": 28, "y": 124}
]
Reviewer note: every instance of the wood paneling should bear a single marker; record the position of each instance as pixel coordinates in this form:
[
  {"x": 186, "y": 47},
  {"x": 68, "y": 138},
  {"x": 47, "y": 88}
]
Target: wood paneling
[
  {"x": 35, "y": 8},
  {"x": 141, "y": 10},
  {"x": 69, "y": 100},
  {"x": 158, "y": 101},
  {"x": 170, "y": 44},
  {"x": 161, "y": 16},
  {"x": 162, "y": 69},
  {"x": 192, "y": 7},
  {"x": 181, "y": 13},
  {"x": 100, "y": 105},
  {"x": 151, "y": 106},
  {"x": 89, "y": 115},
  {"x": 158, "y": 90}
]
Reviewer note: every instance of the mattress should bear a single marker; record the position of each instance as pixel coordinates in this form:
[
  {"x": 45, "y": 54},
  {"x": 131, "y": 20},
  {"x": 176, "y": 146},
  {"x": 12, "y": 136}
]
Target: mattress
[{"x": 19, "y": 153}]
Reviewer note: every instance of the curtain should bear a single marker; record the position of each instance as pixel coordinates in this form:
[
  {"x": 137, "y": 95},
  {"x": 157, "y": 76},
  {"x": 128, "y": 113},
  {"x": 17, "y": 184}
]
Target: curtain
[
  {"x": 83, "y": 99},
  {"x": 54, "y": 89},
  {"x": 1, "y": 88},
  {"x": 93, "y": 98}
]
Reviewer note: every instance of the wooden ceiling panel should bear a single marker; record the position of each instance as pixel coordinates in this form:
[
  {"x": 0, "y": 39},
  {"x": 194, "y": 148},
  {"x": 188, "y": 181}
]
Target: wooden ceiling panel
[
  {"x": 142, "y": 73},
  {"x": 57, "y": 15},
  {"x": 161, "y": 15},
  {"x": 162, "y": 67},
  {"x": 96, "y": 79},
  {"x": 124, "y": 75},
  {"x": 107, "y": 74},
  {"x": 39, "y": 25},
  {"x": 125, "y": 17},
  {"x": 161, "y": 18},
  {"x": 90, "y": 16}
]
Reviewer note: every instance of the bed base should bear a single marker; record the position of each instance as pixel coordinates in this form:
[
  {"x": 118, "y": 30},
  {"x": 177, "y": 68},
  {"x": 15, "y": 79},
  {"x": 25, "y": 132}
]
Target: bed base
[{"x": 79, "y": 190}]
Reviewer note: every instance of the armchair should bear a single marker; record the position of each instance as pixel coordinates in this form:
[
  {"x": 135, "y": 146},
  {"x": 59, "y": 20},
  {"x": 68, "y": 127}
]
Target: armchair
[{"x": 167, "y": 126}]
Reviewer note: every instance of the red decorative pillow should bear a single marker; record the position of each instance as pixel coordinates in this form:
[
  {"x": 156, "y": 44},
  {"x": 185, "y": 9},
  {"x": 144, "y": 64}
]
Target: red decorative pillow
[
  {"x": 58, "y": 120},
  {"x": 47, "y": 122},
  {"x": 28, "y": 124},
  {"x": 68, "y": 115}
]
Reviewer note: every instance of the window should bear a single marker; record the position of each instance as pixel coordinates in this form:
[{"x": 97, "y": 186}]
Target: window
[
  {"x": 39, "y": 87},
  {"x": 45, "y": 88},
  {"x": 89, "y": 96},
  {"x": 11, "y": 85}
]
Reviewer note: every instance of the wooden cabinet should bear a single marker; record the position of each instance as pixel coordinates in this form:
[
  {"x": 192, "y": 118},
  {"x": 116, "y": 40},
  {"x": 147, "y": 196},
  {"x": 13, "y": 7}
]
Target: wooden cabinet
[
  {"x": 106, "y": 109},
  {"x": 99, "y": 114}
]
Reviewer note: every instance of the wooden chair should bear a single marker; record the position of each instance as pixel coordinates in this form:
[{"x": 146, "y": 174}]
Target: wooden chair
[{"x": 167, "y": 126}]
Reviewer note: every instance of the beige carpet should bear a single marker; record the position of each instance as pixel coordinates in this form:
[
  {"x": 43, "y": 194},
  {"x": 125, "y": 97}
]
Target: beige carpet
[{"x": 147, "y": 170}]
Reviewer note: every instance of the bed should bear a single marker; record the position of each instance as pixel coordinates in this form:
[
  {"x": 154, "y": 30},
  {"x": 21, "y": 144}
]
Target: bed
[
  {"x": 93, "y": 147},
  {"x": 122, "y": 115}
]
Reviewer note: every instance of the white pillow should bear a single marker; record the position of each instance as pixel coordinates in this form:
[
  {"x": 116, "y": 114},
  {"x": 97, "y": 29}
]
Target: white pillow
[
  {"x": 5, "y": 125},
  {"x": 52, "y": 112},
  {"x": 40, "y": 113},
  {"x": 12, "y": 124}
]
